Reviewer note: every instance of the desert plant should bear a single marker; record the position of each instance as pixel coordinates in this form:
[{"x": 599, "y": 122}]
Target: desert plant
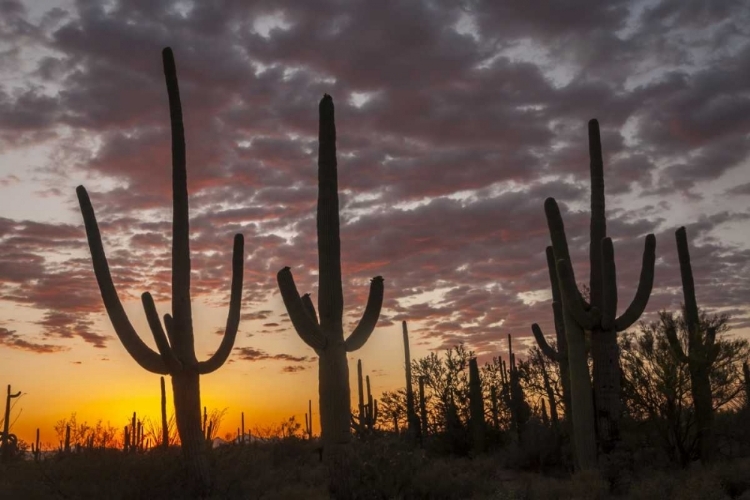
[
  {"x": 413, "y": 424},
  {"x": 476, "y": 408},
  {"x": 326, "y": 336},
  {"x": 559, "y": 355},
  {"x": 600, "y": 315},
  {"x": 176, "y": 355},
  {"x": 8, "y": 441},
  {"x": 702, "y": 351}
]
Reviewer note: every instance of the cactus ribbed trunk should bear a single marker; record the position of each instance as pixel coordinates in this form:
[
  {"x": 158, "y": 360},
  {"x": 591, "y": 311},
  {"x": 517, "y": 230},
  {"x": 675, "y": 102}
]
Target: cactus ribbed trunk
[{"x": 187, "y": 405}]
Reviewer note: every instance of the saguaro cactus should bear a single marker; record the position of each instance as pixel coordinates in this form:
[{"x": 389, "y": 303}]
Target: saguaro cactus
[
  {"x": 176, "y": 355},
  {"x": 8, "y": 440},
  {"x": 599, "y": 316},
  {"x": 476, "y": 408},
  {"x": 414, "y": 430},
  {"x": 702, "y": 352},
  {"x": 559, "y": 356},
  {"x": 326, "y": 336}
]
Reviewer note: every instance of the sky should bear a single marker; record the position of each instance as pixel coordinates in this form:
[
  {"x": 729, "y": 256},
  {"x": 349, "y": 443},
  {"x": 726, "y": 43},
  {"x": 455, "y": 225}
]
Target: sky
[{"x": 456, "y": 119}]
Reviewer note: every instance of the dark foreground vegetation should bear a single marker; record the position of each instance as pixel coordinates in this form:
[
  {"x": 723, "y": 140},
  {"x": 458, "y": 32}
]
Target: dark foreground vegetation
[{"x": 383, "y": 468}]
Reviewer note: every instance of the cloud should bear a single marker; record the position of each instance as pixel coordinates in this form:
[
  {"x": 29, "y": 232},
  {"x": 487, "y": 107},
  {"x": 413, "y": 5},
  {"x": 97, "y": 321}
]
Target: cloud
[
  {"x": 252, "y": 354},
  {"x": 11, "y": 339},
  {"x": 454, "y": 123}
]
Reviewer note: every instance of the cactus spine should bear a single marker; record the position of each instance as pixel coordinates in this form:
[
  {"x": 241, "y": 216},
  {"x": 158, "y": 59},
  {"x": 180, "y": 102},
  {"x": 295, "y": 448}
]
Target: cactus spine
[
  {"x": 702, "y": 352},
  {"x": 326, "y": 336},
  {"x": 176, "y": 355},
  {"x": 476, "y": 408},
  {"x": 599, "y": 316}
]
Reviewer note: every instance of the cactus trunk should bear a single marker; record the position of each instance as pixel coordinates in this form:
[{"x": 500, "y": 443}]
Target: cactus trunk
[
  {"x": 476, "y": 408},
  {"x": 414, "y": 430}
]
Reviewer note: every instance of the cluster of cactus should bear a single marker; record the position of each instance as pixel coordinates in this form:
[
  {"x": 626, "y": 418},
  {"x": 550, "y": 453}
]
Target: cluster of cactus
[
  {"x": 597, "y": 317},
  {"x": 367, "y": 415},
  {"x": 701, "y": 354},
  {"x": 8, "y": 441},
  {"x": 176, "y": 350},
  {"x": 553, "y": 417},
  {"x": 133, "y": 440}
]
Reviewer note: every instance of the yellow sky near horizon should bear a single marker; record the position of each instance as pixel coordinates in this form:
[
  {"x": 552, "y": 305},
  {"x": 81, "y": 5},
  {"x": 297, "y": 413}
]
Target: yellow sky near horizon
[{"x": 108, "y": 385}]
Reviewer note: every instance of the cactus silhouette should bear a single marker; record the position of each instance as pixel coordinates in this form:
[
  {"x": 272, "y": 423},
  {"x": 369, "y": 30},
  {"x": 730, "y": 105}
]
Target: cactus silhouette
[
  {"x": 176, "y": 356},
  {"x": 559, "y": 356},
  {"x": 414, "y": 428},
  {"x": 326, "y": 335},
  {"x": 8, "y": 441},
  {"x": 476, "y": 408},
  {"x": 599, "y": 317},
  {"x": 702, "y": 351}
]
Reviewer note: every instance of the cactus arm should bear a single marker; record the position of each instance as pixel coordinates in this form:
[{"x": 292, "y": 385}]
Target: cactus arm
[
  {"x": 688, "y": 285},
  {"x": 598, "y": 228},
  {"x": 310, "y": 308},
  {"x": 543, "y": 345},
  {"x": 645, "y": 285},
  {"x": 370, "y": 317},
  {"x": 674, "y": 342},
  {"x": 167, "y": 354},
  {"x": 141, "y": 353},
  {"x": 233, "y": 318},
  {"x": 306, "y": 328},
  {"x": 575, "y": 305},
  {"x": 565, "y": 275},
  {"x": 609, "y": 284}
]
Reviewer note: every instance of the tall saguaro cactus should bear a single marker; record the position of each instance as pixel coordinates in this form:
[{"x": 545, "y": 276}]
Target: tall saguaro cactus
[
  {"x": 176, "y": 356},
  {"x": 600, "y": 315},
  {"x": 702, "y": 351},
  {"x": 326, "y": 335}
]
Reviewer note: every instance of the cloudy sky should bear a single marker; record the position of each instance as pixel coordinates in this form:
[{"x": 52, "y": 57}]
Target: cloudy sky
[{"x": 456, "y": 119}]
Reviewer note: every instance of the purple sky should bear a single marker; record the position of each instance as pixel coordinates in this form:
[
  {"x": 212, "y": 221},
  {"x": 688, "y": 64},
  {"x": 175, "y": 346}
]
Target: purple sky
[{"x": 455, "y": 121}]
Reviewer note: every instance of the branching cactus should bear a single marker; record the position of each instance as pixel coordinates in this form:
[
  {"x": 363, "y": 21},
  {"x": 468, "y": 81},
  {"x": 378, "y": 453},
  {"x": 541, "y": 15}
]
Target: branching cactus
[
  {"x": 701, "y": 354},
  {"x": 559, "y": 356},
  {"x": 600, "y": 315},
  {"x": 176, "y": 355},
  {"x": 326, "y": 335},
  {"x": 8, "y": 441}
]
